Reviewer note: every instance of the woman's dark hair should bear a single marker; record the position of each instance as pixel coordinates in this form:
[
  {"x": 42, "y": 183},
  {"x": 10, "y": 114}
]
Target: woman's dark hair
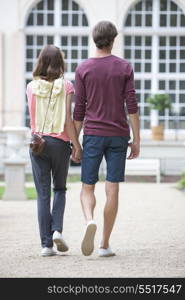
[
  {"x": 104, "y": 34},
  {"x": 50, "y": 65}
]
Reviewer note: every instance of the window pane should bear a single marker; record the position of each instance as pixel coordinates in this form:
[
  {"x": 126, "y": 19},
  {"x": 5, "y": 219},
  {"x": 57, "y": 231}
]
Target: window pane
[
  {"x": 162, "y": 54},
  {"x": 172, "y": 54},
  {"x": 137, "y": 84},
  {"x": 163, "y": 22},
  {"x": 128, "y": 40},
  {"x": 172, "y": 68},
  {"x": 64, "y": 40},
  {"x": 65, "y": 4},
  {"x": 173, "y": 41},
  {"x": 128, "y": 21},
  {"x": 40, "y": 40},
  {"x": 75, "y": 20},
  {"x": 137, "y": 67},
  {"x": 137, "y": 53},
  {"x": 182, "y": 67},
  {"x": 148, "y": 41},
  {"x": 148, "y": 5},
  {"x": 40, "y": 19},
  {"x": 182, "y": 98},
  {"x": 162, "y": 41},
  {"x": 50, "y": 4},
  {"x": 163, "y": 5},
  {"x": 147, "y": 67},
  {"x": 137, "y": 40},
  {"x": 138, "y": 20},
  {"x": 29, "y": 40},
  {"x": 173, "y": 20},
  {"x": 50, "y": 20},
  {"x": 138, "y": 6},
  {"x": 75, "y": 6},
  {"x": 29, "y": 67},
  {"x": 182, "y": 20},
  {"x": 182, "y": 41},
  {"x": 84, "y": 54},
  {"x": 29, "y": 53},
  {"x": 84, "y": 21},
  {"x": 148, "y": 20},
  {"x": 173, "y": 6},
  {"x": 162, "y": 85},
  {"x": 73, "y": 67},
  {"x": 84, "y": 41},
  {"x": 40, "y": 5},
  {"x": 49, "y": 40},
  {"x": 30, "y": 20},
  {"x": 65, "y": 19},
  {"x": 127, "y": 53},
  {"x": 74, "y": 41},
  {"x": 172, "y": 85},
  {"x": 147, "y": 84},
  {"x": 182, "y": 84},
  {"x": 162, "y": 68},
  {"x": 74, "y": 54}
]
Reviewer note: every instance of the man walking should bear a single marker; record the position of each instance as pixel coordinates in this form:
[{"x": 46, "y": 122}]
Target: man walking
[{"x": 104, "y": 92}]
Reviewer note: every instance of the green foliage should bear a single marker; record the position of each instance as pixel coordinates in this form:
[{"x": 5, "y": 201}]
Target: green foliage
[
  {"x": 181, "y": 182},
  {"x": 159, "y": 102}
]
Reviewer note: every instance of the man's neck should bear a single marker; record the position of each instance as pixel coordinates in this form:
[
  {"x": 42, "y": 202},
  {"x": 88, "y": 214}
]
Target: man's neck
[{"x": 102, "y": 52}]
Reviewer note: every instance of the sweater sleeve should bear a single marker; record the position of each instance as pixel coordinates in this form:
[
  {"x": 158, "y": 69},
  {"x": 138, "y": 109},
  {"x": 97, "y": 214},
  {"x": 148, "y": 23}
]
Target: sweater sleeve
[
  {"x": 130, "y": 94},
  {"x": 80, "y": 98}
]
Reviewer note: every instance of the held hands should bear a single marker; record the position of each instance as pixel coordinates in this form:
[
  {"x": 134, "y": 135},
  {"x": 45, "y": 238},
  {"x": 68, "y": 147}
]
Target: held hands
[
  {"x": 76, "y": 153},
  {"x": 135, "y": 149}
]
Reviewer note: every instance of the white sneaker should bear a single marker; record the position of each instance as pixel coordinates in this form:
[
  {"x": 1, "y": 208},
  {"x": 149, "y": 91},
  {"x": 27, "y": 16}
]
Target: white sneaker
[
  {"x": 59, "y": 241},
  {"x": 48, "y": 251},
  {"x": 87, "y": 245},
  {"x": 105, "y": 252}
]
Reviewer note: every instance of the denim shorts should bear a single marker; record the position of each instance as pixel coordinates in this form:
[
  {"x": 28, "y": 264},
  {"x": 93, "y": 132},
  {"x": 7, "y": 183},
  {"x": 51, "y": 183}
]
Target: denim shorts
[{"x": 113, "y": 148}]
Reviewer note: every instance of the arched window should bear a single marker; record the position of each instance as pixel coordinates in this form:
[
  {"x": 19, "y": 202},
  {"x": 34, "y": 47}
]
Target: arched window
[
  {"x": 59, "y": 22},
  {"x": 154, "y": 42}
]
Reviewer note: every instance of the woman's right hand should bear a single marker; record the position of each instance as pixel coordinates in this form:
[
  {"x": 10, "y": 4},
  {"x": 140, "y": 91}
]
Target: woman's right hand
[{"x": 77, "y": 153}]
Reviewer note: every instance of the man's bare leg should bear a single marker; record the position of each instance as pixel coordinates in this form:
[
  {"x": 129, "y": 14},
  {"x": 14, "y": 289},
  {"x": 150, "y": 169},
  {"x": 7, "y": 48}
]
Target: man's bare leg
[
  {"x": 88, "y": 201},
  {"x": 110, "y": 211}
]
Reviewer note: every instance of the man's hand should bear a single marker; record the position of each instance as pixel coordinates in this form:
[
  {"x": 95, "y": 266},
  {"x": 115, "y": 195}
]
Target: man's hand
[
  {"x": 135, "y": 149},
  {"x": 76, "y": 154}
]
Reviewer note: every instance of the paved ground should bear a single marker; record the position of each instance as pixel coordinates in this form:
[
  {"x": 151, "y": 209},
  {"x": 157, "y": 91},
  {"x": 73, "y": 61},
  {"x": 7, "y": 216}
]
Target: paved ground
[{"x": 148, "y": 237}]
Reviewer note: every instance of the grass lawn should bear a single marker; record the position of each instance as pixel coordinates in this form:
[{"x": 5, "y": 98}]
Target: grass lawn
[{"x": 30, "y": 192}]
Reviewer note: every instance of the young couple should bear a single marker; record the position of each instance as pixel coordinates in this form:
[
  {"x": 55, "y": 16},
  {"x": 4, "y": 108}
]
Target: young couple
[{"x": 105, "y": 95}]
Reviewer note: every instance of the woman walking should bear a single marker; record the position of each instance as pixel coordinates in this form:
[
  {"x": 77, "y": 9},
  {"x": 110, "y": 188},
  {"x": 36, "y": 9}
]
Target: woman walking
[{"x": 49, "y": 101}]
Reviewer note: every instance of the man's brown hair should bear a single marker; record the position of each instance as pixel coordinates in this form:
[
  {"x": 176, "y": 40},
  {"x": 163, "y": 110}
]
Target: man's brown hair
[
  {"x": 50, "y": 65},
  {"x": 104, "y": 34}
]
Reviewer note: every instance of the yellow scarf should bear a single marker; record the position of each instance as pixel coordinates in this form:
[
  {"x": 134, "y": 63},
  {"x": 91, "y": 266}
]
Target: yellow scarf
[{"x": 56, "y": 115}]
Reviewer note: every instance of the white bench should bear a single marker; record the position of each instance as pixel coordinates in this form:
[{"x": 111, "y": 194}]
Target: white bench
[{"x": 142, "y": 166}]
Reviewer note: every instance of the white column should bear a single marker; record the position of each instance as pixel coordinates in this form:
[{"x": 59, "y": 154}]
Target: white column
[
  {"x": 1, "y": 81},
  {"x": 14, "y": 85}
]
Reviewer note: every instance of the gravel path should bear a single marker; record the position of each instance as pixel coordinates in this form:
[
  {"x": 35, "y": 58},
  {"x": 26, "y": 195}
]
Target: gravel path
[{"x": 149, "y": 236}]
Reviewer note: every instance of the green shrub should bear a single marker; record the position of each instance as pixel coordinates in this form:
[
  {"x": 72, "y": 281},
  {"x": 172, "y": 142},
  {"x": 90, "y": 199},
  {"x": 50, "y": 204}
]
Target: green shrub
[{"x": 181, "y": 182}]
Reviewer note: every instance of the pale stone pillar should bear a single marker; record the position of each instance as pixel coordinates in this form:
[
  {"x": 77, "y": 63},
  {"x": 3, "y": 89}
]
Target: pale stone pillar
[
  {"x": 15, "y": 164},
  {"x": 1, "y": 81}
]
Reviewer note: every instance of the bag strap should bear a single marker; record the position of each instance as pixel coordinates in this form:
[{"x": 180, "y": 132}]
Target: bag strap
[{"x": 48, "y": 107}]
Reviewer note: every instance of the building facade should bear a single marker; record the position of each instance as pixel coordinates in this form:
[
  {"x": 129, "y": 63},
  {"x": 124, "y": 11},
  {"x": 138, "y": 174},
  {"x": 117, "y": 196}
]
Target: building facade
[{"x": 151, "y": 36}]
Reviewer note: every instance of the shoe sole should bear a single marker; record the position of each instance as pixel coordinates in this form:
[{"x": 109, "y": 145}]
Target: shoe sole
[
  {"x": 107, "y": 255},
  {"x": 61, "y": 246},
  {"x": 87, "y": 246},
  {"x": 44, "y": 255}
]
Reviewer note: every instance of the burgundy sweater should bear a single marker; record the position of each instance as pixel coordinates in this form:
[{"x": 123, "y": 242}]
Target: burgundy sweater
[{"x": 104, "y": 91}]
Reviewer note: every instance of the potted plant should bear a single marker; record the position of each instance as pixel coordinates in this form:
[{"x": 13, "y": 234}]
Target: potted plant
[{"x": 158, "y": 103}]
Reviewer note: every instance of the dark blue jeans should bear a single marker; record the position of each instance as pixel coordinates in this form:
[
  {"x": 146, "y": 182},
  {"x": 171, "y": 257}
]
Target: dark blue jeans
[{"x": 52, "y": 163}]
